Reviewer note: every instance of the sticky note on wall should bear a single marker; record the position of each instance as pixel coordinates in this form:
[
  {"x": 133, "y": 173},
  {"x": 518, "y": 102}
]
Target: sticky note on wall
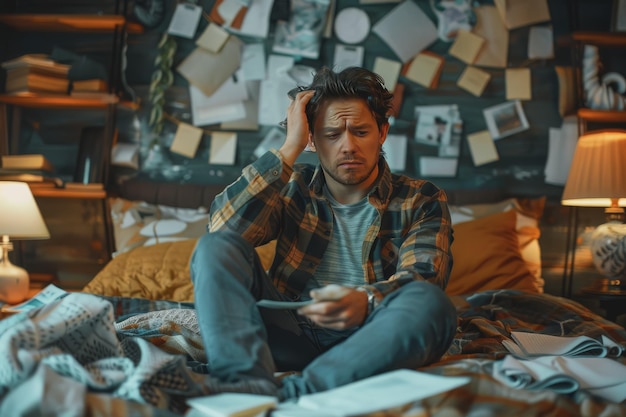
[
  {"x": 518, "y": 84},
  {"x": 482, "y": 148},
  {"x": 474, "y": 80},
  {"x": 186, "y": 140}
]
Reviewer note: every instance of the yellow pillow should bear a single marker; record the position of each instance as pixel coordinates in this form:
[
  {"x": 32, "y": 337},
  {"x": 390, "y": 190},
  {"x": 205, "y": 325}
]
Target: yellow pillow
[
  {"x": 156, "y": 272},
  {"x": 487, "y": 256}
]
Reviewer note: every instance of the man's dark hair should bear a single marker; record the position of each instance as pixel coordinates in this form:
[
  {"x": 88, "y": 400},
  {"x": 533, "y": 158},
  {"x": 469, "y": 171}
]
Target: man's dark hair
[{"x": 352, "y": 82}]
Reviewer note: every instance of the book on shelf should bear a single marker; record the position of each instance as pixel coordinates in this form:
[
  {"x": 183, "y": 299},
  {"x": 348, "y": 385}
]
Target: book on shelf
[
  {"x": 528, "y": 345},
  {"x": 91, "y": 85},
  {"x": 34, "y": 180},
  {"x": 36, "y": 83},
  {"x": 95, "y": 95},
  {"x": 79, "y": 186},
  {"x": 27, "y": 161},
  {"x": 37, "y": 61}
]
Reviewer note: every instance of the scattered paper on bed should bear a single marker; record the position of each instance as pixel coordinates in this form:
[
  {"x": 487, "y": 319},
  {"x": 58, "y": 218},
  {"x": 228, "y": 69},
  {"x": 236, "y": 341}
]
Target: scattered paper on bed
[
  {"x": 603, "y": 377},
  {"x": 233, "y": 404},
  {"x": 380, "y": 392},
  {"x": 527, "y": 344}
]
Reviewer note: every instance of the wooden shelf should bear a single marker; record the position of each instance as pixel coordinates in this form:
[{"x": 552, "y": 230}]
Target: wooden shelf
[
  {"x": 617, "y": 39},
  {"x": 68, "y": 23},
  {"x": 57, "y": 101},
  {"x": 63, "y": 193},
  {"x": 603, "y": 116}
]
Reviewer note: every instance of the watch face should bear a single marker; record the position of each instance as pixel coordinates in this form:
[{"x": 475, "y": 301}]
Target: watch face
[{"x": 149, "y": 12}]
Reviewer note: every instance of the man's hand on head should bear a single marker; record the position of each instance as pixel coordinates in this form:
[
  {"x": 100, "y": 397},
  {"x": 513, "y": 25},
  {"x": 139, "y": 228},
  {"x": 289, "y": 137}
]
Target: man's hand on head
[
  {"x": 298, "y": 131},
  {"x": 336, "y": 307}
]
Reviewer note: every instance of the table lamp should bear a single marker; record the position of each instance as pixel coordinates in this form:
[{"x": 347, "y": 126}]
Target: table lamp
[
  {"x": 597, "y": 178},
  {"x": 19, "y": 219}
]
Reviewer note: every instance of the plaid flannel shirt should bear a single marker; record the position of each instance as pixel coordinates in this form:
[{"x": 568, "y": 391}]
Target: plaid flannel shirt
[{"x": 409, "y": 240}]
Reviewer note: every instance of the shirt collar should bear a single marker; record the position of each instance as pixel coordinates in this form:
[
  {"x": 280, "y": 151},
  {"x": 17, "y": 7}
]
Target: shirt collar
[{"x": 381, "y": 188}]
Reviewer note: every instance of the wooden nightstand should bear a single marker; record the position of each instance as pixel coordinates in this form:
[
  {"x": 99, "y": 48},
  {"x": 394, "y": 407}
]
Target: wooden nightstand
[{"x": 611, "y": 300}]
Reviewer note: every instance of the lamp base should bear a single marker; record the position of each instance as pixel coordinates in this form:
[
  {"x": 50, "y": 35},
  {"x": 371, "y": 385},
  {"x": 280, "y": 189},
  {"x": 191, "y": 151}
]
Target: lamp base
[
  {"x": 608, "y": 250},
  {"x": 14, "y": 282}
]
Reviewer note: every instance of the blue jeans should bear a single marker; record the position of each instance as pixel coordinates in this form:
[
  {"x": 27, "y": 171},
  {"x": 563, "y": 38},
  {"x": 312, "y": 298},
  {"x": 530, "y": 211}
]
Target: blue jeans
[{"x": 411, "y": 327}]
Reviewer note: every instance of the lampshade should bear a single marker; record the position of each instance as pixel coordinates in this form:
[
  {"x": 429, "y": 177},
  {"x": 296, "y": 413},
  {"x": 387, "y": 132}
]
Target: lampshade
[
  {"x": 598, "y": 171},
  {"x": 19, "y": 214}
]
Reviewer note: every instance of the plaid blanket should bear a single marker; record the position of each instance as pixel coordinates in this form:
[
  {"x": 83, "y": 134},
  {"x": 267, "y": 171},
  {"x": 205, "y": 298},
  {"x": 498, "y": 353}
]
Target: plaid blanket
[{"x": 165, "y": 334}]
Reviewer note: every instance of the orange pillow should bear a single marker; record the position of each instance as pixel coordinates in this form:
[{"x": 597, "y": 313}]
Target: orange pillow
[{"x": 487, "y": 256}]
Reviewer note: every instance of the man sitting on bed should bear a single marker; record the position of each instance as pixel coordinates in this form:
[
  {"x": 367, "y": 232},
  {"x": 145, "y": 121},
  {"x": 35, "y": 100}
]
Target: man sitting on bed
[{"x": 370, "y": 248}]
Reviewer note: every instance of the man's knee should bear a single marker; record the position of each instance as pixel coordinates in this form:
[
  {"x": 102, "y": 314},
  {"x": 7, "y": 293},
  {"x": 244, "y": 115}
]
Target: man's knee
[
  {"x": 220, "y": 248},
  {"x": 428, "y": 307}
]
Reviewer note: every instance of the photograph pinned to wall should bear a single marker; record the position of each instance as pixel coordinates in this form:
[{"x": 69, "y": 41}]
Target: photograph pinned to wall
[
  {"x": 301, "y": 35},
  {"x": 505, "y": 119},
  {"x": 434, "y": 126}
]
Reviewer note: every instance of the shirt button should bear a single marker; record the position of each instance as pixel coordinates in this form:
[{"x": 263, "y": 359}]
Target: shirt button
[{"x": 275, "y": 172}]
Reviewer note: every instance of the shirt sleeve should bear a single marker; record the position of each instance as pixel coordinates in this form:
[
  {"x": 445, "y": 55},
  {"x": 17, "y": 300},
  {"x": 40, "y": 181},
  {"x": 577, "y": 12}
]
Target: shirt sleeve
[
  {"x": 251, "y": 205},
  {"x": 425, "y": 253}
]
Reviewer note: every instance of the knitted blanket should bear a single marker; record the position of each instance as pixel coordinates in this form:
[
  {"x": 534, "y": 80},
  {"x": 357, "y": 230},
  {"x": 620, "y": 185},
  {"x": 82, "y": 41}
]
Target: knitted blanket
[{"x": 66, "y": 358}]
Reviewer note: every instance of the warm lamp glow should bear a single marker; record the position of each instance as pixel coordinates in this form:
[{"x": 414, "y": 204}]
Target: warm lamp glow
[
  {"x": 597, "y": 178},
  {"x": 19, "y": 219},
  {"x": 598, "y": 171}
]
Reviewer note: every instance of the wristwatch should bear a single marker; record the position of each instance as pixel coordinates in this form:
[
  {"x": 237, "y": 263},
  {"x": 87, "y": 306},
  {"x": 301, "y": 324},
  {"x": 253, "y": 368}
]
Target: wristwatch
[{"x": 371, "y": 299}]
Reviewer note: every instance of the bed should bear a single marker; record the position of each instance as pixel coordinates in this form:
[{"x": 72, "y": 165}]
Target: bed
[{"x": 139, "y": 349}]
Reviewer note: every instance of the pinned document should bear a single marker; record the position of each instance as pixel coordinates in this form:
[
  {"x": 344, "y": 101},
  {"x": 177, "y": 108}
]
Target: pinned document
[
  {"x": 389, "y": 70},
  {"x": 518, "y": 84},
  {"x": 466, "y": 46},
  {"x": 186, "y": 140},
  {"x": 482, "y": 148},
  {"x": 185, "y": 20},
  {"x": 223, "y": 148},
  {"x": 425, "y": 69},
  {"x": 474, "y": 80}
]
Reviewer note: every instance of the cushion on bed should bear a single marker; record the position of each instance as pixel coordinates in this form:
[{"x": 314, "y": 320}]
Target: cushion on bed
[
  {"x": 155, "y": 272},
  {"x": 487, "y": 256},
  {"x": 528, "y": 213}
]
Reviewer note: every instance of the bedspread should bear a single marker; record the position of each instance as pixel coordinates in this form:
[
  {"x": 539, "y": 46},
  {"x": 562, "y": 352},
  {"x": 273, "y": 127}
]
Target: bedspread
[{"x": 122, "y": 356}]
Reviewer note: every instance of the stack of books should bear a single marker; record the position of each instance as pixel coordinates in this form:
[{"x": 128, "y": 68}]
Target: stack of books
[
  {"x": 36, "y": 73},
  {"x": 35, "y": 169}
]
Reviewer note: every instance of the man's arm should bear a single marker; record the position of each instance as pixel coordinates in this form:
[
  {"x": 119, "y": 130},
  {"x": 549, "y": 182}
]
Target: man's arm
[{"x": 251, "y": 205}]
